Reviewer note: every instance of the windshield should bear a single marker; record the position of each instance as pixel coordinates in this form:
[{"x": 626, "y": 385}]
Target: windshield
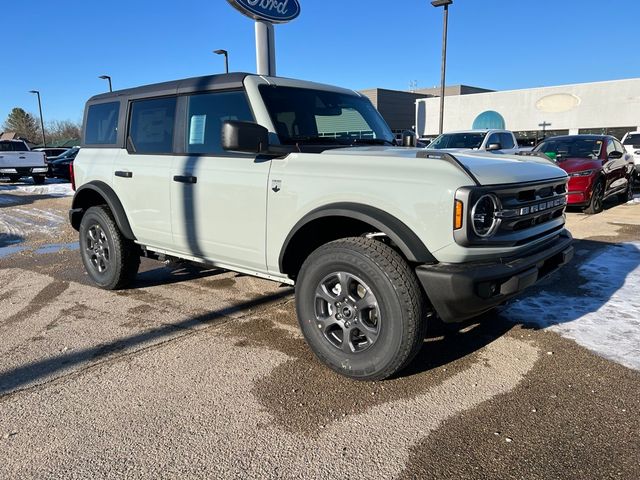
[
  {"x": 322, "y": 117},
  {"x": 632, "y": 139},
  {"x": 574, "y": 147},
  {"x": 458, "y": 140}
]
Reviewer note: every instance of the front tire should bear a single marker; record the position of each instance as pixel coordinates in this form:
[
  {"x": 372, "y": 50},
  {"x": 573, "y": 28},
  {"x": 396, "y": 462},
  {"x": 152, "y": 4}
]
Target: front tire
[
  {"x": 360, "y": 308},
  {"x": 597, "y": 199},
  {"x": 111, "y": 260},
  {"x": 14, "y": 178},
  {"x": 38, "y": 180}
]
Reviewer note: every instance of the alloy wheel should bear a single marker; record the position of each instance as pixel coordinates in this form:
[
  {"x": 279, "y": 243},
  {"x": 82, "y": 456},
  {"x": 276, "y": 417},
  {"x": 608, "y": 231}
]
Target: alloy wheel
[
  {"x": 347, "y": 312},
  {"x": 97, "y": 248}
]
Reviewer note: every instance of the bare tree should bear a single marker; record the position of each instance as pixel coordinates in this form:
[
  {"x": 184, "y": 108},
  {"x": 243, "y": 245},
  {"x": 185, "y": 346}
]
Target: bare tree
[
  {"x": 24, "y": 124},
  {"x": 62, "y": 130}
]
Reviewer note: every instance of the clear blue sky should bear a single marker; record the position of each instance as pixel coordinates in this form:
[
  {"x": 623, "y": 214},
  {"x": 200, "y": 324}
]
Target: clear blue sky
[{"x": 60, "y": 48}]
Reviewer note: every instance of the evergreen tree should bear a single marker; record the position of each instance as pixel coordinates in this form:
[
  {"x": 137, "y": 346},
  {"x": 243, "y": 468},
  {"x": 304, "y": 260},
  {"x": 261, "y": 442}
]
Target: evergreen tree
[{"x": 24, "y": 124}]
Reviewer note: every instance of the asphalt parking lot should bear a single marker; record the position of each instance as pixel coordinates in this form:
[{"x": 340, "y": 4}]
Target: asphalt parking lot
[{"x": 198, "y": 373}]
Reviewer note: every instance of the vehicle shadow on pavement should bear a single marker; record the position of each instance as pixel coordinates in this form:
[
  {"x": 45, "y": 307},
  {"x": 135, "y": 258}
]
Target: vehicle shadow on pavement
[
  {"x": 29, "y": 374},
  {"x": 592, "y": 282},
  {"x": 446, "y": 343},
  {"x": 174, "y": 273}
]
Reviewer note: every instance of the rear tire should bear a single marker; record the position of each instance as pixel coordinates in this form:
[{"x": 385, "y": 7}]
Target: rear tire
[
  {"x": 360, "y": 308},
  {"x": 597, "y": 199},
  {"x": 38, "y": 180},
  {"x": 627, "y": 195},
  {"x": 111, "y": 260}
]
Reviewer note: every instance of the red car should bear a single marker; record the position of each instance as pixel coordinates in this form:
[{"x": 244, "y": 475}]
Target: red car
[{"x": 598, "y": 168}]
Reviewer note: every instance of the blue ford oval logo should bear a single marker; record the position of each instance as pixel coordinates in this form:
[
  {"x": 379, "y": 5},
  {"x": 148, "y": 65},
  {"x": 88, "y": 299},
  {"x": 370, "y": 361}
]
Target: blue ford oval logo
[{"x": 274, "y": 11}]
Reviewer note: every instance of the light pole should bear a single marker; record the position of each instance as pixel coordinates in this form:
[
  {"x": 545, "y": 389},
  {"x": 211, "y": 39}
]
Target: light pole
[
  {"x": 443, "y": 69},
  {"x": 44, "y": 138},
  {"x": 107, "y": 77},
  {"x": 226, "y": 58}
]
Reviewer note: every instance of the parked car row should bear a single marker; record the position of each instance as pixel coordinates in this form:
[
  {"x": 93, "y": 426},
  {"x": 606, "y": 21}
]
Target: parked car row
[
  {"x": 599, "y": 166},
  {"x": 18, "y": 161}
]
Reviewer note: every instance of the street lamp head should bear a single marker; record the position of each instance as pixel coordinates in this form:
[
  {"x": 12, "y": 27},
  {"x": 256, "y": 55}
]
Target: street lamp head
[
  {"x": 34, "y": 91},
  {"x": 441, "y": 3},
  {"x": 220, "y": 52},
  {"x": 104, "y": 77}
]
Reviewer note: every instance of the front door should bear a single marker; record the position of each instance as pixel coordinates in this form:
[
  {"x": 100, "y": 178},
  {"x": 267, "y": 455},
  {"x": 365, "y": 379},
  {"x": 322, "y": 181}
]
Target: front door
[{"x": 218, "y": 198}]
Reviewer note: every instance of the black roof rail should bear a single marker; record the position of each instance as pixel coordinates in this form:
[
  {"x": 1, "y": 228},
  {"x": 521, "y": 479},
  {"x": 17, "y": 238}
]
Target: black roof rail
[{"x": 448, "y": 157}]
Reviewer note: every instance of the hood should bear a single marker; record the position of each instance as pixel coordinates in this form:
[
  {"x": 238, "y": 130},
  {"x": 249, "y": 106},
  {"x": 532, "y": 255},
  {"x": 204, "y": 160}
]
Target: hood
[
  {"x": 572, "y": 165},
  {"x": 487, "y": 168}
]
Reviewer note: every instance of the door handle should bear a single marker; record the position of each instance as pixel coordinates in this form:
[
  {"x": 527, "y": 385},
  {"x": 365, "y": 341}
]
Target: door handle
[
  {"x": 123, "y": 174},
  {"x": 185, "y": 179}
]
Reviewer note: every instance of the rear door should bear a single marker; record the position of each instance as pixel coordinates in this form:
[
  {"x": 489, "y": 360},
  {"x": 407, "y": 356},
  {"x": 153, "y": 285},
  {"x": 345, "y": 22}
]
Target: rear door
[
  {"x": 218, "y": 198},
  {"x": 141, "y": 173}
]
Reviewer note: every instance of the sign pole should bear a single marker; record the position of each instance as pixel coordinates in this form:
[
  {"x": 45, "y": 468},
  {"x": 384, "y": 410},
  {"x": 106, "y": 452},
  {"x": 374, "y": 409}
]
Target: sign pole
[{"x": 265, "y": 48}]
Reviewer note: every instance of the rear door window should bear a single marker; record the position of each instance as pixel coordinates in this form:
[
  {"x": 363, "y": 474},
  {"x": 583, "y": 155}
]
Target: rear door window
[
  {"x": 206, "y": 114},
  {"x": 102, "y": 124},
  {"x": 151, "y": 125}
]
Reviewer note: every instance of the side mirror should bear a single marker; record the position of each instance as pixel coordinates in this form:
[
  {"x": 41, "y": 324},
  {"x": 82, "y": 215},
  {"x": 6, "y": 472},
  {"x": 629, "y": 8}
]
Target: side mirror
[
  {"x": 615, "y": 155},
  {"x": 409, "y": 139},
  {"x": 494, "y": 146},
  {"x": 247, "y": 137}
]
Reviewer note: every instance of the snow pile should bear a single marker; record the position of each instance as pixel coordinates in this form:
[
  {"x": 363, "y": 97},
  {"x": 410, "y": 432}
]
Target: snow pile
[
  {"x": 56, "y": 189},
  {"x": 604, "y": 316},
  {"x": 634, "y": 200}
]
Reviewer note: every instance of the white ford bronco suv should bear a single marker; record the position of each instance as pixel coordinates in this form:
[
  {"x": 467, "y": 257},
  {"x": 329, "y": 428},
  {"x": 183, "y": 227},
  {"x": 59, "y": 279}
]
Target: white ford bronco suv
[{"x": 303, "y": 184}]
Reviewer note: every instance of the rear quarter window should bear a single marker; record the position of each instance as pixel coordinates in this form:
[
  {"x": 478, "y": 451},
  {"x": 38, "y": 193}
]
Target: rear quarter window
[{"x": 102, "y": 124}]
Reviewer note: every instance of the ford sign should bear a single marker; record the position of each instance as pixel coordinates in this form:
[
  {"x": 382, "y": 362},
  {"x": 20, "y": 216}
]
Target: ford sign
[{"x": 274, "y": 11}]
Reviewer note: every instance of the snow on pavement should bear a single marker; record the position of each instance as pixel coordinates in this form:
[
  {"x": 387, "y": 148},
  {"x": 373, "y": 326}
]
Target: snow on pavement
[
  {"x": 20, "y": 222},
  {"x": 605, "y": 316},
  {"x": 54, "y": 188}
]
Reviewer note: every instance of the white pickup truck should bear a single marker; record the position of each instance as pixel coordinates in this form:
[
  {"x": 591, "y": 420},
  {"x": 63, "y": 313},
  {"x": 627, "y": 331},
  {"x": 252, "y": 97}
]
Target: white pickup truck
[
  {"x": 17, "y": 160},
  {"x": 494, "y": 141}
]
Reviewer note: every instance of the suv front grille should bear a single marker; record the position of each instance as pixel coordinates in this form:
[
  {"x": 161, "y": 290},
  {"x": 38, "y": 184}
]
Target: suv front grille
[{"x": 528, "y": 212}]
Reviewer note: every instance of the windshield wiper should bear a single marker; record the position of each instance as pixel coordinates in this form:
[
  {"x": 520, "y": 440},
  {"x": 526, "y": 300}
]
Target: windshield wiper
[{"x": 372, "y": 141}]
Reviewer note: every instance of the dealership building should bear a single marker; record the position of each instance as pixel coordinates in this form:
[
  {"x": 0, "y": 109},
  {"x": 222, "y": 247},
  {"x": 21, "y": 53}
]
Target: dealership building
[{"x": 611, "y": 107}]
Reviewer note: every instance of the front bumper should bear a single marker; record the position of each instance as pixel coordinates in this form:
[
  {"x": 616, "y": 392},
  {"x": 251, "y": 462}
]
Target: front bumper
[
  {"x": 580, "y": 189},
  {"x": 462, "y": 291}
]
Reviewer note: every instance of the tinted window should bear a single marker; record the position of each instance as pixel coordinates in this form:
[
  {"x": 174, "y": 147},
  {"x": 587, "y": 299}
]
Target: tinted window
[
  {"x": 572, "y": 147},
  {"x": 102, "y": 124},
  {"x": 151, "y": 125},
  {"x": 632, "y": 139},
  {"x": 506, "y": 140},
  {"x": 494, "y": 138},
  {"x": 207, "y": 112},
  {"x": 13, "y": 147},
  {"x": 618, "y": 145},
  {"x": 324, "y": 117}
]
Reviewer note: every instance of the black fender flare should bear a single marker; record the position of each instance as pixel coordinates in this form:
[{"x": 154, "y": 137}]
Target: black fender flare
[
  {"x": 110, "y": 198},
  {"x": 407, "y": 241}
]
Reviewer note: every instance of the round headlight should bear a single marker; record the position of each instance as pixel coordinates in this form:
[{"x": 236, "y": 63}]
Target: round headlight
[{"x": 485, "y": 221}]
